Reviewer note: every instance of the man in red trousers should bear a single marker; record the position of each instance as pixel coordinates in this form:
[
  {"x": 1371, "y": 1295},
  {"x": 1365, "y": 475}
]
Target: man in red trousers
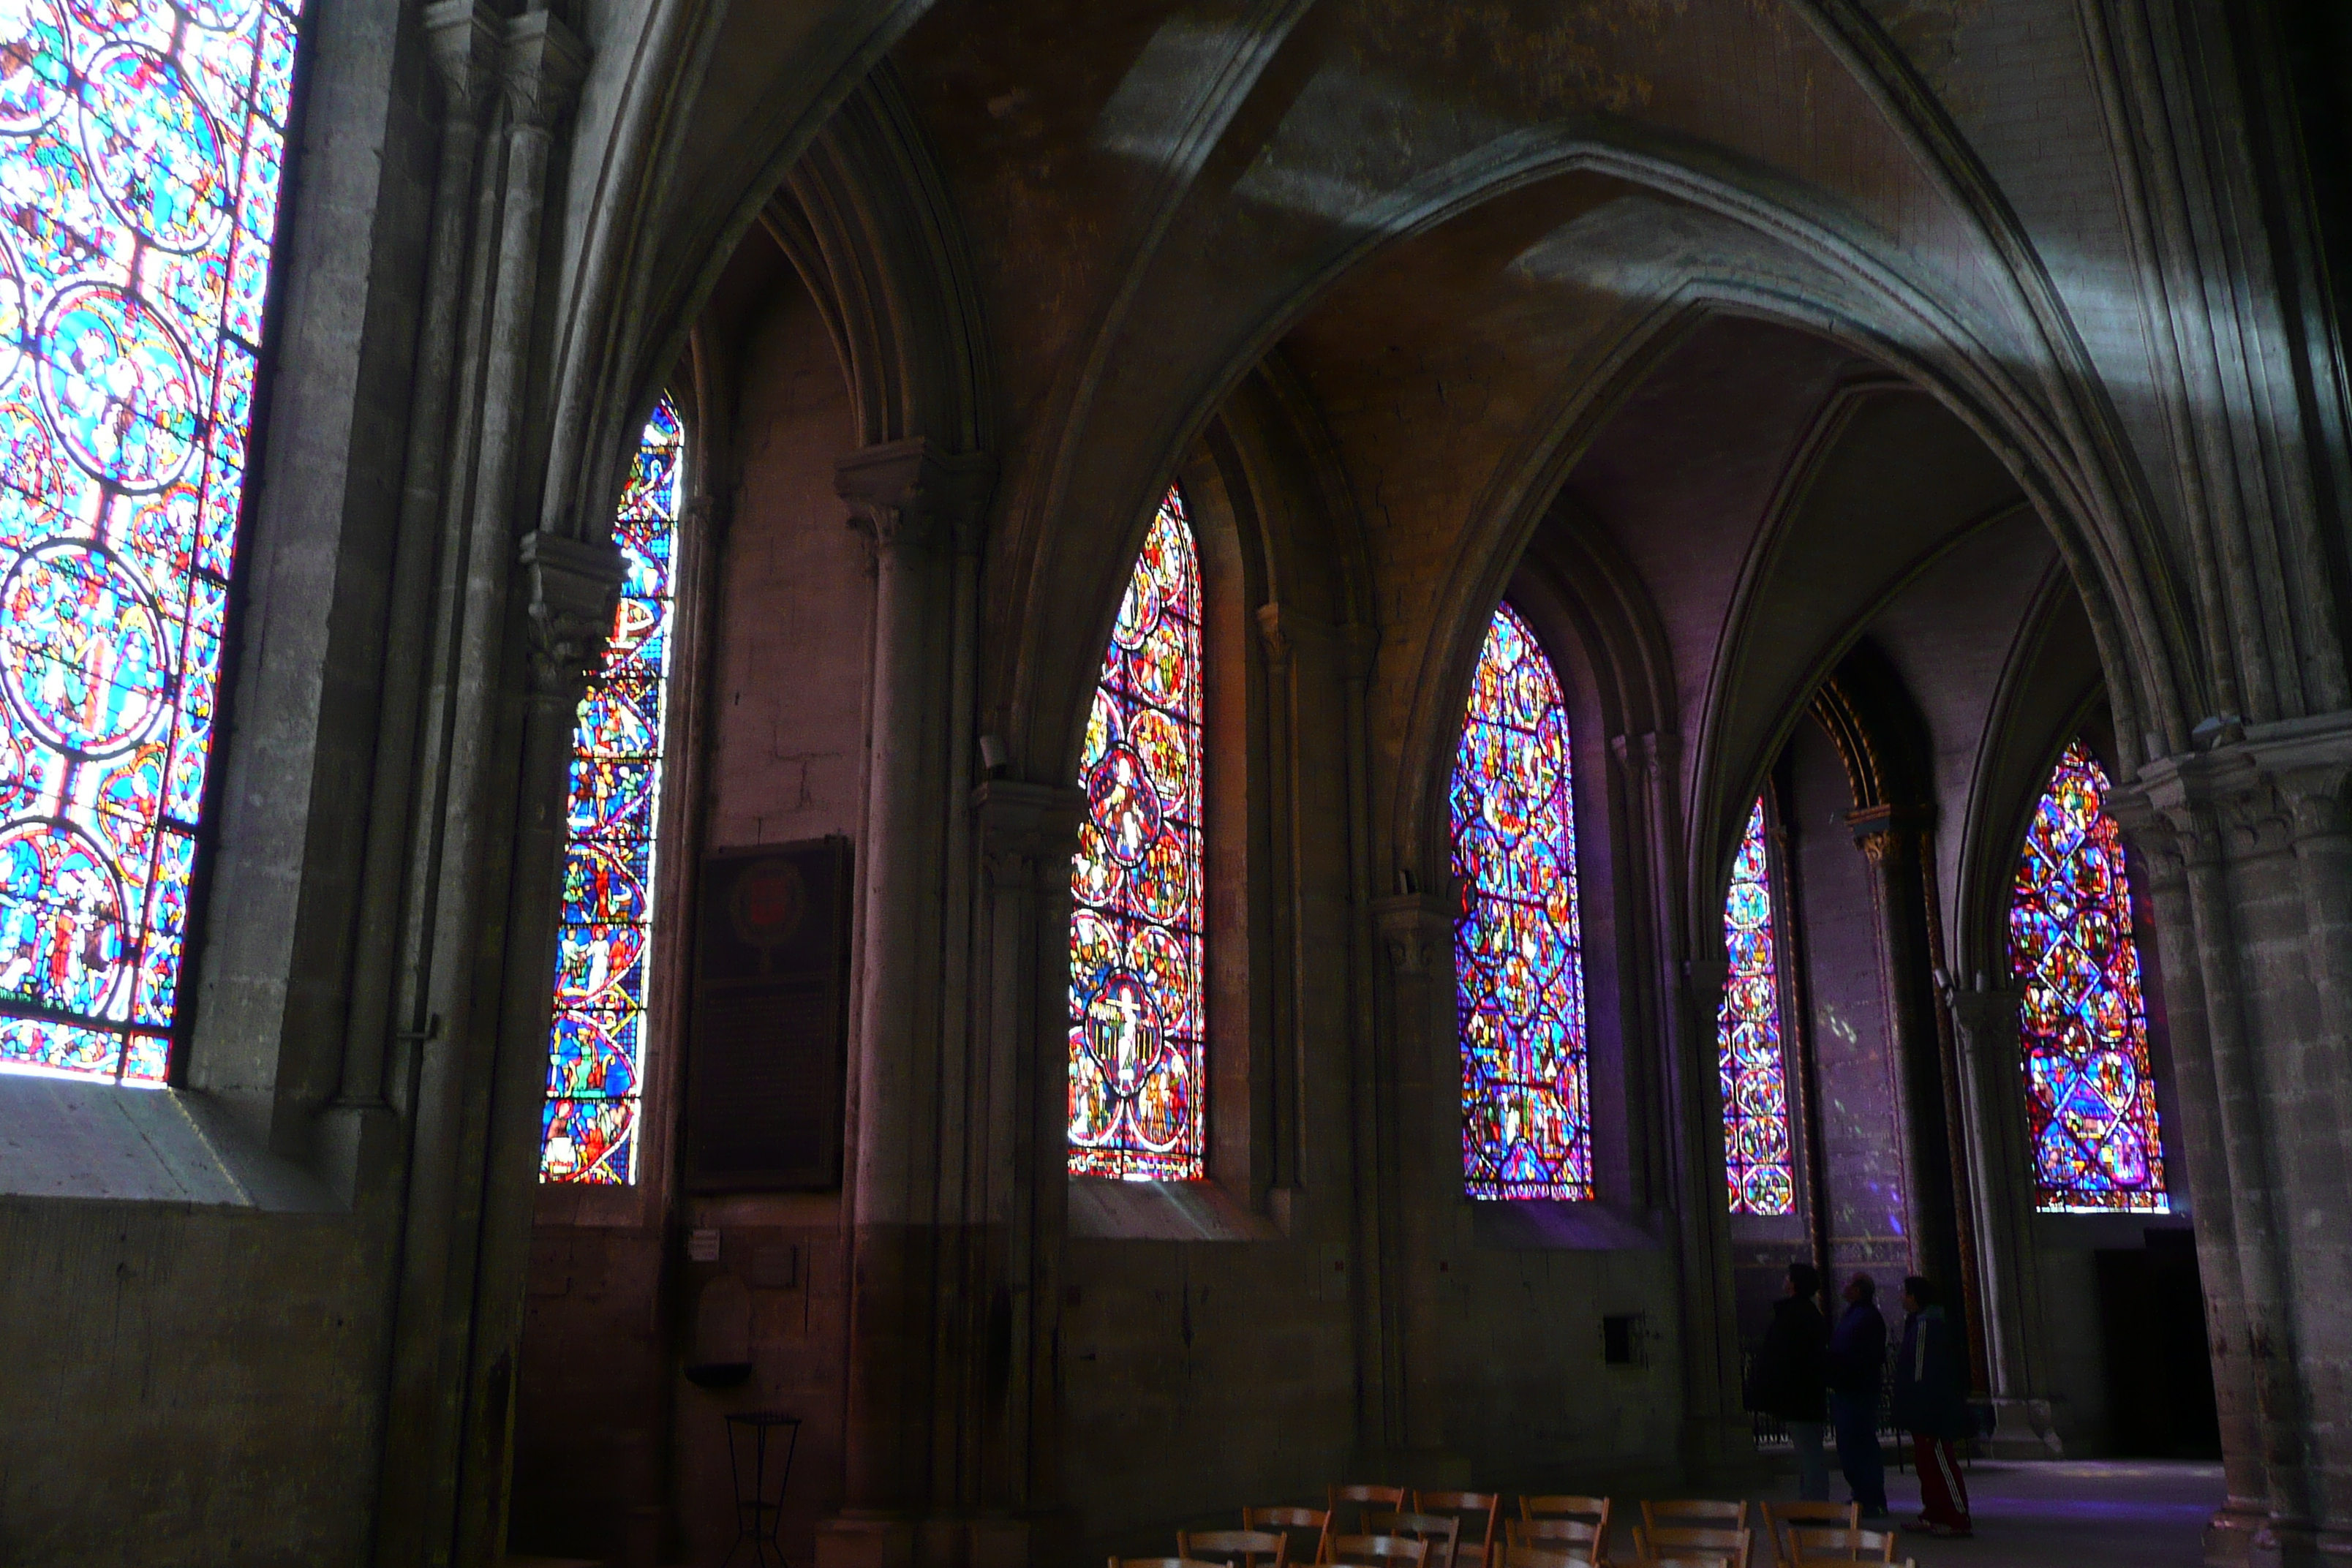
[{"x": 1932, "y": 1405}]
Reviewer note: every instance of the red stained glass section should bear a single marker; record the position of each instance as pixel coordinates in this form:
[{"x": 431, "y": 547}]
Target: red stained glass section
[
  {"x": 2090, "y": 1094},
  {"x": 1137, "y": 1051}
]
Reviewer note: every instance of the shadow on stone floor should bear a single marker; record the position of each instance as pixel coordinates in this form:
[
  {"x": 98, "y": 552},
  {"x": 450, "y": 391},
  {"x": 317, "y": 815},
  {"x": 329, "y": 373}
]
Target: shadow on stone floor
[{"x": 2114, "y": 1513}]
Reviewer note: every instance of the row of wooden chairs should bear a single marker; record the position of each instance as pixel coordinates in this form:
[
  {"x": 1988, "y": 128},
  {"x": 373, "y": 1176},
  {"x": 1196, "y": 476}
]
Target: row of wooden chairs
[{"x": 1397, "y": 1528}]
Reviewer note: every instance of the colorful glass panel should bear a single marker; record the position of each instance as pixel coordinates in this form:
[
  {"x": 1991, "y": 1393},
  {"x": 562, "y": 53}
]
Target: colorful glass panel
[
  {"x": 2090, "y": 1095},
  {"x": 596, "y": 1051},
  {"x": 1135, "y": 1037},
  {"x": 139, "y": 150},
  {"x": 1756, "y": 1158},
  {"x": 1527, "y": 1115}
]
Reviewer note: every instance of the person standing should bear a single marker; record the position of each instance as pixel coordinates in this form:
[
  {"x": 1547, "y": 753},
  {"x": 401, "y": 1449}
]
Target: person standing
[
  {"x": 1787, "y": 1381},
  {"x": 1856, "y": 1362},
  {"x": 1930, "y": 1404}
]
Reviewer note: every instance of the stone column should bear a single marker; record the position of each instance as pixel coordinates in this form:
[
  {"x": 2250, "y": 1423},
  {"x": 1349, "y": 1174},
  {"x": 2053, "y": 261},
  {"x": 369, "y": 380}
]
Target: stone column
[
  {"x": 1993, "y": 1101},
  {"x": 2229, "y": 1536},
  {"x": 465, "y": 39},
  {"x": 1027, "y": 835},
  {"x": 451, "y": 1384},
  {"x": 916, "y": 1238},
  {"x": 1418, "y": 1161},
  {"x": 1890, "y": 837}
]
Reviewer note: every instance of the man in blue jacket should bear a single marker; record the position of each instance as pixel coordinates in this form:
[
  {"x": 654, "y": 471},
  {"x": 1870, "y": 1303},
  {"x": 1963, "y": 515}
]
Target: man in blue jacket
[
  {"x": 1856, "y": 1362},
  {"x": 1932, "y": 1405}
]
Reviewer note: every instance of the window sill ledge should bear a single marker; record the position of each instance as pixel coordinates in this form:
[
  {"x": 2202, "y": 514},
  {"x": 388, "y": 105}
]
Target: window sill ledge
[{"x": 59, "y": 1139}]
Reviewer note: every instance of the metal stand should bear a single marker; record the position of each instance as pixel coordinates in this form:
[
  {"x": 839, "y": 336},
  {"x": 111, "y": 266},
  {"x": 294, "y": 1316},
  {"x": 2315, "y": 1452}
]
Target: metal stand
[{"x": 757, "y": 1519}]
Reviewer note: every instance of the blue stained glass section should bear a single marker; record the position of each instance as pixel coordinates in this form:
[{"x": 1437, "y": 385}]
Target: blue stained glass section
[
  {"x": 596, "y": 1048},
  {"x": 140, "y": 144},
  {"x": 1527, "y": 1114},
  {"x": 2090, "y": 1090},
  {"x": 1758, "y": 1165}
]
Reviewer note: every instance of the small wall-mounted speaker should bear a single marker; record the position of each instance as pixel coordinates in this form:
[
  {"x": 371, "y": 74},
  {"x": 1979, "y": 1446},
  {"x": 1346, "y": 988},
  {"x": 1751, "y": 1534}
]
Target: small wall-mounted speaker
[{"x": 765, "y": 1055}]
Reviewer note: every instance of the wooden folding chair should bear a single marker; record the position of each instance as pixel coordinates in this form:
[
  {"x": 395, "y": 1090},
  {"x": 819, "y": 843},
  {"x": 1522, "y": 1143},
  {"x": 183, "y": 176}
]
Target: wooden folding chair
[
  {"x": 1694, "y": 1511},
  {"x": 1691, "y": 1546},
  {"x": 1810, "y": 1545},
  {"x": 1779, "y": 1516},
  {"x": 1558, "y": 1534},
  {"x": 1593, "y": 1510},
  {"x": 1293, "y": 1523},
  {"x": 1235, "y": 1548},
  {"x": 1380, "y": 1551},
  {"x": 1536, "y": 1557},
  {"x": 1157, "y": 1562},
  {"x": 1365, "y": 1497},
  {"x": 1467, "y": 1508},
  {"x": 1442, "y": 1530}
]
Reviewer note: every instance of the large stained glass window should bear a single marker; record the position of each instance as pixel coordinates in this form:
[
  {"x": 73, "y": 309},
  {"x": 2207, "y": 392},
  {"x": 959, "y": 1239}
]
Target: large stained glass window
[
  {"x": 597, "y": 1053},
  {"x": 1135, "y": 1038},
  {"x": 1747, "y": 1038},
  {"x": 2090, "y": 1096},
  {"x": 1527, "y": 1114},
  {"x": 139, "y": 149}
]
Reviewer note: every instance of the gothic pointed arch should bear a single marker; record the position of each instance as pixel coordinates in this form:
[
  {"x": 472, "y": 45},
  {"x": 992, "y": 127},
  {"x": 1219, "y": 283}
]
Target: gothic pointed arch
[
  {"x": 1527, "y": 1105},
  {"x": 2090, "y": 1084},
  {"x": 1138, "y": 1056},
  {"x": 597, "y": 1042}
]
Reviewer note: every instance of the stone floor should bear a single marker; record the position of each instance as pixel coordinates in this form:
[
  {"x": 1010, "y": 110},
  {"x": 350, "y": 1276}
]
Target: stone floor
[{"x": 2118, "y": 1513}]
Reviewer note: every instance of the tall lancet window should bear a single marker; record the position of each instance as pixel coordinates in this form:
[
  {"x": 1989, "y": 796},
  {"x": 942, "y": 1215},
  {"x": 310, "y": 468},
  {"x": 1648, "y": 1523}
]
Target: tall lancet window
[
  {"x": 596, "y": 1050},
  {"x": 2090, "y": 1094},
  {"x": 1137, "y": 1052},
  {"x": 1756, "y": 1159},
  {"x": 140, "y": 150},
  {"x": 1527, "y": 1108}
]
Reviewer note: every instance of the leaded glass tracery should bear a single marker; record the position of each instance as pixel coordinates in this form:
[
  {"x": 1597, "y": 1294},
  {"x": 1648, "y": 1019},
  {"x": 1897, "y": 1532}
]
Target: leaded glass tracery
[
  {"x": 1527, "y": 1122},
  {"x": 1755, "y": 1149},
  {"x": 2090, "y": 1093},
  {"x": 140, "y": 154},
  {"x": 596, "y": 1050},
  {"x": 1137, "y": 1052}
]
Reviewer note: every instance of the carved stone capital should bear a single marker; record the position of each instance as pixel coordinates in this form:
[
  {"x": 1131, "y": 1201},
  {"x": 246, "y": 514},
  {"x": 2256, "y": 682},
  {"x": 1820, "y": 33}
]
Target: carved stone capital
[
  {"x": 1027, "y": 830},
  {"x": 575, "y": 587},
  {"x": 464, "y": 35},
  {"x": 1416, "y": 931},
  {"x": 542, "y": 67},
  {"x": 1890, "y": 835},
  {"x": 911, "y": 495},
  {"x": 1985, "y": 1020},
  {"x": 1275, "y": 635},
  {"x": 1653, "y": 755}
]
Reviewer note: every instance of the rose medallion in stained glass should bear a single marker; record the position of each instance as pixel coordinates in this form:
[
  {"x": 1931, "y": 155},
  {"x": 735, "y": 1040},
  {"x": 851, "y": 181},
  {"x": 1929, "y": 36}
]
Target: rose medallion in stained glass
[
  {"x": 596, "y": 1053},
  {"x": 2090, "y": 1094},
  {"x": 1756, "y": 1158},
  {"x": 140, "y": 153},
  {"x": 1527, "y": 1120},
  {"x": 1135, "y": 983}
]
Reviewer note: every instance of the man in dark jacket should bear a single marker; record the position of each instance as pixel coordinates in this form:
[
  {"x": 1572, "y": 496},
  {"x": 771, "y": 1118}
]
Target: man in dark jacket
[
  {"x": 1856, "y": 1360},
  {"x": 1787, "y": 1380},
  {"x": 1931, "y": 1405}
]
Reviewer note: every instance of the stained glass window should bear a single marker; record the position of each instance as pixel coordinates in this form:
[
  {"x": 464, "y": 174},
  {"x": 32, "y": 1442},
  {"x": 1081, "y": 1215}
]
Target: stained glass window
[
  {"x": 2090, "y": 1096},
  {"x": 139, "y": 149},
  {"x": 1527, "y": 1118},
  {"x": 1135, "y": 1037},
  {"x": 596, "y": 1052},
  {"x": 1747, "y": 1038}
]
